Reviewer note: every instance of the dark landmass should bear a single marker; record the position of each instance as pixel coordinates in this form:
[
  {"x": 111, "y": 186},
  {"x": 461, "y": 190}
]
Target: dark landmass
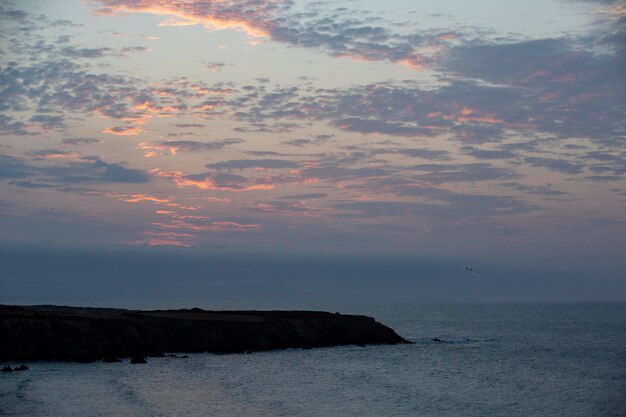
[{"x": 82, "y": 334}]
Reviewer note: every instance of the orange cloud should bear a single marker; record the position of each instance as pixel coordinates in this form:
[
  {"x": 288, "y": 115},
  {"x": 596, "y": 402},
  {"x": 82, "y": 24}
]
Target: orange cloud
[
  {"x": 66, "y": 156},
  {"x": 218, "y": 226},
  {"x": 466, "y": 111},
  {"x": 207, "y": 183},
  {"x": 175, "y": 215},
  {"x": 151, "y": 148},
  {"x": 123, "y": 130},
  {"x": 168, "y": 234},
  {"x": 467, "y": 115},
  {"x": 147, "y": 107},
  {"x": 139, "y": 198},
  {"x": 615, "y": 12},
  {"x": 447, "y": 36},
  {"x": 413, "y": 63},
  {"x": 136, "y": 198},
  {"x": 214, "y": 15}
]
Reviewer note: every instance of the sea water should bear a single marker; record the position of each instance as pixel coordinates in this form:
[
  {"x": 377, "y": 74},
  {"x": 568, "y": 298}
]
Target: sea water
[{"x": 493, "y": 360}]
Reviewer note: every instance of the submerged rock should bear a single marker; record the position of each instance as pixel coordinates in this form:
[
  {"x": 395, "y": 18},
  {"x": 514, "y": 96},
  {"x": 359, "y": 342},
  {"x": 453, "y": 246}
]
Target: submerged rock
[
  {"x": 6, "y": 369},
  {"x": 21, "y": 368},
  {"x": 172, "y": 355},
  {"x": 137, "y": 359}
]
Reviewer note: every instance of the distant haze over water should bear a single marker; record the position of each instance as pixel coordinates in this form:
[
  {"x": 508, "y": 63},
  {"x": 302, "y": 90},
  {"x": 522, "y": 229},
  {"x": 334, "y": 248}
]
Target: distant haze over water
[{"x": 125, "y": 277}]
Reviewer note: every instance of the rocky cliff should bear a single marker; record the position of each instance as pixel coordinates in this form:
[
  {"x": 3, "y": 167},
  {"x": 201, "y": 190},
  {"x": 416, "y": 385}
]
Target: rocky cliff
[{"x": 89, "y": 334}]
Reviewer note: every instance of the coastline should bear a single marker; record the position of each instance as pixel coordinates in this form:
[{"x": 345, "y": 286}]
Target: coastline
[{"x": 84, "y": 334}]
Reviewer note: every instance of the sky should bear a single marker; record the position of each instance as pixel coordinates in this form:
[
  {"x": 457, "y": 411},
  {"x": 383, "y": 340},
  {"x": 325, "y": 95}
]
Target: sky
[{"x": 399, "y": 142}]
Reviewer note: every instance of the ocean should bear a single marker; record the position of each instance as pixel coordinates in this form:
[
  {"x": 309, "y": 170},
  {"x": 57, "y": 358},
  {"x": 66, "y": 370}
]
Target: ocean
[{"x": 493, "y": 360}]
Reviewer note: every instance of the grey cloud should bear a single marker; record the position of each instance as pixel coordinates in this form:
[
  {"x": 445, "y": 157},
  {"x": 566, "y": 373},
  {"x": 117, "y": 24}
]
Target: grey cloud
[
  {"x": 94, "y": 170},
  {"x": 240, "y": 164},
  {"x": 190, "y": 145},
  {"x": 118, "y": 173},
  {"x": 48, "y": 121},
  {"x": 89, "y": 170},
  {"x": 314, "y": 141},
  {"x": 289, "y": 208},
  {"x": 478, "y": 205},
  {"x": 339, "y": 173},
  {"x": 360, "y": 125},
  {"x": 298, "y": 142},
  {"x": 309, "y": 196},
  {"x": 79, "y": 141},
  {"x": 47, "y": 79},
  {"x": 42, "y": 153},
  {"x": 190, "y": 125},
  {"x": 275, "y": 127},
  {"x": 401, "y": 110},
  {"x": 603, "y": 156},
  {"x": 488, "y": 153},
  {"x": 567, "y": 90},
  {"x": 605, "y": 2},
  {"x": 596, "y": 223},
  {"x": 264, "y": 153},
  {"x": 63, "y": 23},
  {"x": 220, "y": 179},
  {"x": 373, "y": 209},
  {"x": 334, "y": 31},
  {"x": 215, "y": 66},
  {"x": 88, "y": 53},
  {"x": 15, "y": 15},
  {"x": 11, "y": 167},
  {"x": 543, "y": 190},
  {"x": 63, "y": 86},
  {"x": 441, "y": 173},
  {"x": 553, "y": 164},
  {"x": 474, "y": 111},
  {"x": 478, "y": 133},
  {"x": 9, "y": 126},
  {"x": 603, "y": 178},
  {"x": 344, "y": 32},
  {"x": 617, "y": 168},
  {"x": 443, "y": 207},
  {"x": 425, "y": 153},
  {"x": 613, "y": 163},
  {"x": 132, "y": 49},
  {"x": 30, "y": 184}
]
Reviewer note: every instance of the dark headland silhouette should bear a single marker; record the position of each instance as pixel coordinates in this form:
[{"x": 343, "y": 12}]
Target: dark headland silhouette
[{"x": 88, "y": 334}]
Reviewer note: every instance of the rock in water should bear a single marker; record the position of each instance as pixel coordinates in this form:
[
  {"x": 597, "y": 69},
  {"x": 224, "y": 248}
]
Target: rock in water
[{"x": 137, "y": 359}]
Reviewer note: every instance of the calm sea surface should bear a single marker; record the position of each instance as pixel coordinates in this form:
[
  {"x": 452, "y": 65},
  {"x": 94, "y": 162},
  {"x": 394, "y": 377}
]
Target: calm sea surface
[{"x": 496, "y": 360}]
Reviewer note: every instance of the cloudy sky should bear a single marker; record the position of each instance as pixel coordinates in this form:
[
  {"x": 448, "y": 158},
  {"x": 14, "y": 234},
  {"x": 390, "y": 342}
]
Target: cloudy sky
[{"x": 463, "y": 130}]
